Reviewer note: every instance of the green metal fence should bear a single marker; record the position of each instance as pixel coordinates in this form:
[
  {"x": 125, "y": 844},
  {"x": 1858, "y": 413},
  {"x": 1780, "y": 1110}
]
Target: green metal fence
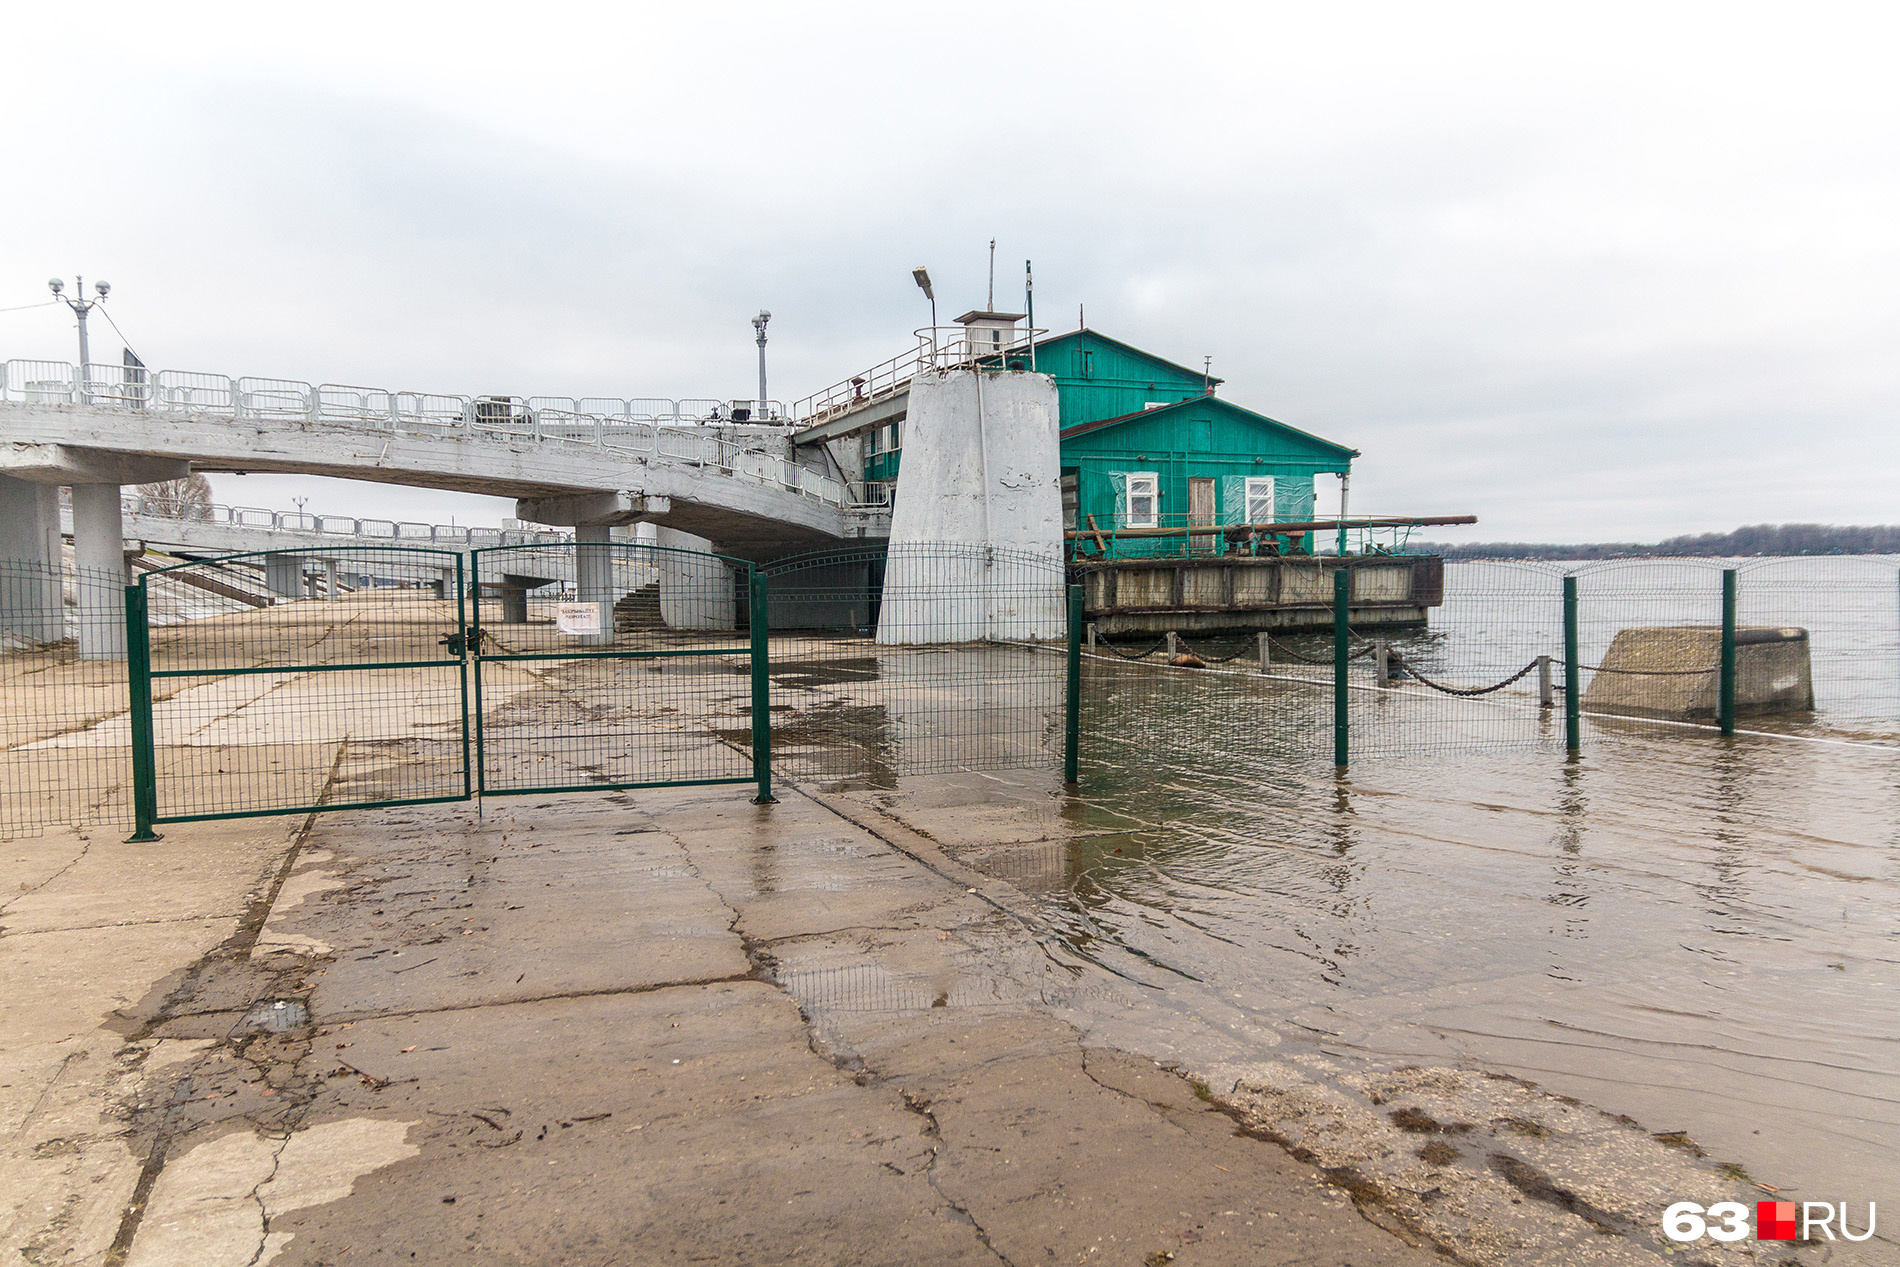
[
  {"x": 613, "y": 665},
  {"x": 1543, "y": 656},
  {"x": 354, "y": 699},
  {"x": 64, "y": 748},
  {"x": 907, "y": 660},
  {"x": 276, "y": 683}
]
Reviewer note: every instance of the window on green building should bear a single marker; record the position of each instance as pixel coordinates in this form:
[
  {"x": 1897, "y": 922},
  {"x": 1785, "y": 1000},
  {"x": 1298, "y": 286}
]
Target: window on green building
[
  {"x": 1143, "y": 500},
  {"x": 1260, "y": 499}
]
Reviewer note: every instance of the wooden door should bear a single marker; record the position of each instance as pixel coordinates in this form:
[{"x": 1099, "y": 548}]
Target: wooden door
[{"x": 1201, "y": 513}]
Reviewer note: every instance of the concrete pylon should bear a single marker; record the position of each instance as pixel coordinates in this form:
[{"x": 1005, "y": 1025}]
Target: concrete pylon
[
  {"x": 976, "y": 534},
  {"x": 695, "y": 591},
  {"x": 594, "y": 575},
  {"x": 283, "y": 575},
  {"x": 99, "y": 556},
  {"x": 32, "y": 602}
]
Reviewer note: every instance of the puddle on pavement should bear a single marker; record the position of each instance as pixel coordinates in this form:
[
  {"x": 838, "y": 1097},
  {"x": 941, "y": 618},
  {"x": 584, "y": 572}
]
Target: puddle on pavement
[
  {"x": 805, "y": 674},
  {"x": 1704, "y": 936},
  {"x": 277, "y": 1016}
]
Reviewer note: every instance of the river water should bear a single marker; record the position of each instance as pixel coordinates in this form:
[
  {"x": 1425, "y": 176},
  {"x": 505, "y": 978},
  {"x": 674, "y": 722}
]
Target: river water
[{"x": 1702, "y": 933}]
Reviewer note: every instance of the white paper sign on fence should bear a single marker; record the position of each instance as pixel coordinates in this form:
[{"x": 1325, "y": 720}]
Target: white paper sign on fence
[{"x": 577, "y": 618}]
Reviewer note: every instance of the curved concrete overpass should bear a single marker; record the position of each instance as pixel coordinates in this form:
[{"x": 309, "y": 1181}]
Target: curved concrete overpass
[{"x": 97, "y": 428}]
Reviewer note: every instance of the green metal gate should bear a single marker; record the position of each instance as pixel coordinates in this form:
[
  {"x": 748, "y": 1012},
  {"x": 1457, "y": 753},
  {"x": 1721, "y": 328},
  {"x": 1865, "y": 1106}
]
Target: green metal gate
[
  {"x": 609, "y": 664},
  {"x": 281, "y": 682},
  {"x": 285, "y": 682}
]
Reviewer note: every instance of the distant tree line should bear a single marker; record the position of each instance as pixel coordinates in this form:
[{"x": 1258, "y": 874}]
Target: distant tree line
[{"x": 1762, "y": 539}]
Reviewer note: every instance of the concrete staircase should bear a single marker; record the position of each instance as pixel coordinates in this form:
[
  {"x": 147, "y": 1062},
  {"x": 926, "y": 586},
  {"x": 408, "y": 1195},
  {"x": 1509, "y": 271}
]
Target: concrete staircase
[{"x": 639, "y": 609}]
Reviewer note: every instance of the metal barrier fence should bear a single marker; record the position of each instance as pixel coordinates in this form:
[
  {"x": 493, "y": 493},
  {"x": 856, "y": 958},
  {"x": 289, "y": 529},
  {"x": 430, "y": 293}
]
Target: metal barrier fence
[
  {"x": 301, "y": 706},
  {"x": 419, "y": 682},
  {"x": 64, "y": 747},
  {"x": 1543, "y": 656},
  {"x": 645, "y": 680},
  {"x": 915, "y": 660}
]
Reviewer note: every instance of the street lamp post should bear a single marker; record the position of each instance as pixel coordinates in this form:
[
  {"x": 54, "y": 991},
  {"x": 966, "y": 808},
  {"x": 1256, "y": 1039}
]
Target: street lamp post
[
  {"x": 921, "y": 276},
  {"x": 758, "y": 324},
  {"x": 81, "y": 306}
]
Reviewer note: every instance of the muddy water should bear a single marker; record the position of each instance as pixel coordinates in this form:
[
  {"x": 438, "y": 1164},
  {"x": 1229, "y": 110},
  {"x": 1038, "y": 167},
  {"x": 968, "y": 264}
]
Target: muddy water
[{"x": 1702, "y": 934}]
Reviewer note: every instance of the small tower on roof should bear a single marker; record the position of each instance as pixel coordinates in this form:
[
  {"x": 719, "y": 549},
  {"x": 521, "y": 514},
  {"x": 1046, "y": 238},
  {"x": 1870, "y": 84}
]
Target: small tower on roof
[{"x": 987, "y": 332}]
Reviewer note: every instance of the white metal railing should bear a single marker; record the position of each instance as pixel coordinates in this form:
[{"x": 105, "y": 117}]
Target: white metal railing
[
  {"x": 256, "y": 519},
  {"x": 938, "y": 347},
  {"x": 673, "y": 430}
]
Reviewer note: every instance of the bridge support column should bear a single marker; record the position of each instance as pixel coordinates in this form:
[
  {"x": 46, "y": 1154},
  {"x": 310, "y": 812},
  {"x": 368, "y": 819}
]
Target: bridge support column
[
  {"x": 283, "y": 575},
  {"x": 982, "y": 476},
  {"x": 330, "y": 590},
  {"x": 32, "y": 603},
  {"x": 594, "y": 574},
  {"x": 99, "y": 556},
  {"x": 514, "y": 604},
  {"x": 695, "y": 590}
]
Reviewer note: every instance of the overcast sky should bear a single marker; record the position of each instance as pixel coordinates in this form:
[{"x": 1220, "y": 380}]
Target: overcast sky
[{"x": 1604, "y": 272}]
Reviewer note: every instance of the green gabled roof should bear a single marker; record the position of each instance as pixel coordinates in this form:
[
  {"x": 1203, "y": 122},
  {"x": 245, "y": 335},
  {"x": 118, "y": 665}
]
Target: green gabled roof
[
  {"x": 1053, "y": 340},
  {"x": 1103, "y": 424}
]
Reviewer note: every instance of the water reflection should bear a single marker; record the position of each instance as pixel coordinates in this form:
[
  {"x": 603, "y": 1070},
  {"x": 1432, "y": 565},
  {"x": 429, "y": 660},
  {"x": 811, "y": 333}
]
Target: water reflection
[{"x": 1700, "y": 932}]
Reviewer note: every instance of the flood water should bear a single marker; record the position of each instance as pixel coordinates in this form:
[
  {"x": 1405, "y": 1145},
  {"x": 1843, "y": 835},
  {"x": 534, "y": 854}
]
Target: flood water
[{"x": 1701, "y": 933}]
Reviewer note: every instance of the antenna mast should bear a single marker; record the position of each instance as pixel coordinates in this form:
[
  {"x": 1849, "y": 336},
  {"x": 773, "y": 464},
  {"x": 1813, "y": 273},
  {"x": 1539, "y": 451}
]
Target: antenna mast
[{"x": 992, "y": 305}]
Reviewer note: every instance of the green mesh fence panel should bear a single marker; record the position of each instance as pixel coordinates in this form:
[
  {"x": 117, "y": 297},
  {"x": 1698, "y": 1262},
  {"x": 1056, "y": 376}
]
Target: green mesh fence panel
[
  {"x": 1849, "y": 608},
  {"x": 280, "y": 697},
  {"x": 611, "y": 664},
  {"x": 916, "y": 660},
  {"x": 65, "y": 757}
]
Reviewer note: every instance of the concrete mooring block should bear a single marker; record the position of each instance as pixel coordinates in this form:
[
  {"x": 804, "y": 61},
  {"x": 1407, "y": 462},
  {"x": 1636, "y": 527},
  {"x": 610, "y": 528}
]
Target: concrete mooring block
[{"x": 1674, "y": 673}]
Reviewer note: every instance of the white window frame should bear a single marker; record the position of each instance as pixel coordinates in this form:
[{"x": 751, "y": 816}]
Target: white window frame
[
  {"x": 1142, "y": 484},
  {"x": 1253, "y": 490}
]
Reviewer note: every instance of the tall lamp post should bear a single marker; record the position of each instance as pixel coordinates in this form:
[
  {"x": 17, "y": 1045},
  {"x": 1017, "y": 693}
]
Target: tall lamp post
[
  {"x": 921, "y": 276},
  {"x": 81, "y": 306},
  {"x": 758, "y": 324}
]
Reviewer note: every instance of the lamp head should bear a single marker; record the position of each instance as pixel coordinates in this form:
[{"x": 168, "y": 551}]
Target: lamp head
[
  {"x": 922, "y": 277},
  {"x": 104, "y": 288},
  {"x": 55, "y": 285}
]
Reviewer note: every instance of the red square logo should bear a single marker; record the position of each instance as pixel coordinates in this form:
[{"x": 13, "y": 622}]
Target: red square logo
[{"x": 1775, "y": 1221}]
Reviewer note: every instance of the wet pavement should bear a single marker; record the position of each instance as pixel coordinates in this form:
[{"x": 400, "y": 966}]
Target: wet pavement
[
  {"x": 578, "y": 1031},
  {"x": 1699, "y": 934},
  {"x": 1221, "y": 1005}
]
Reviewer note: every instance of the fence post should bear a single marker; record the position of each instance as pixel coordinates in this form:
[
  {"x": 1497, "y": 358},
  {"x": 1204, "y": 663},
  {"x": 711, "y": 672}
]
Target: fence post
[
  {"x": 1726, "y": 688},
  {"x": 1545, "y": 697},
  {"x": 1174, "y": 645},
  {"x": 1573, "y": 672},
  {"x": 1091, "y": 637},
  {"x": 1342, "y": 590},
  {"x": 1381, "y": 665},
  {"x": 1072, "y": 704},
  {"x": 762, "y": 690},
  {"x": 138, "y": 672},
  {"x": 1266, "y": 650},
  {"x": 462, "y": 635}
]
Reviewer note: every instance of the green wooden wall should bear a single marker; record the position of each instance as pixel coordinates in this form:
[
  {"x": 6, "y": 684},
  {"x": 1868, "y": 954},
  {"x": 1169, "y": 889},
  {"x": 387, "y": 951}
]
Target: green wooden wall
[{"x": 1205, "y": 437}]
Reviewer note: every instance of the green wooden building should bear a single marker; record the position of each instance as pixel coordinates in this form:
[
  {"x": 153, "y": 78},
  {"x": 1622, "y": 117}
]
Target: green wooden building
[{"x": 1146, "y": 444}]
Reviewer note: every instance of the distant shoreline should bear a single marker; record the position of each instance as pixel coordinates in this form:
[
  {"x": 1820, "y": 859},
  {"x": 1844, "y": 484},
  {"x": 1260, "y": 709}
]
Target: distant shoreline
[{"x": 1759, "y": 540}]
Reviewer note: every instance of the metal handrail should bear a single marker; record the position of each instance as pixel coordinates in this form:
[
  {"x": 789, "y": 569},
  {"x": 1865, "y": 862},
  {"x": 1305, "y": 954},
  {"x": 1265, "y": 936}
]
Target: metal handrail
[
  {"x": 679, "y": 435},
  {"x": 380, "y": 530},
  {"x": 938, "y": 347}
]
